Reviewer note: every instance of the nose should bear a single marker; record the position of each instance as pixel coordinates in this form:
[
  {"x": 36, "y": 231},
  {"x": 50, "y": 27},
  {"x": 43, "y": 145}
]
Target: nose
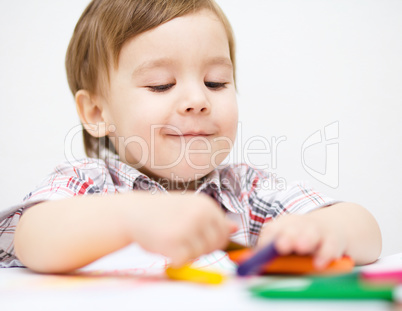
[
  {"x": 195, "y": 101},
  {"x": 195, "y": 109}
]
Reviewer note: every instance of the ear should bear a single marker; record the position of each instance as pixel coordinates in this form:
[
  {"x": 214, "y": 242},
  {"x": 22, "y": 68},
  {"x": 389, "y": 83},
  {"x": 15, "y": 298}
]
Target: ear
[{"x": 89, "y": 110}]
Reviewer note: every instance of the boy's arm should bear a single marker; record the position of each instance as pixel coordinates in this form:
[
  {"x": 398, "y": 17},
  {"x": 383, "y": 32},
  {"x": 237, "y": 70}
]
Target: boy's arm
[
  {"x": 63, "y": 235},
  {"x": 327, "y": 233}
]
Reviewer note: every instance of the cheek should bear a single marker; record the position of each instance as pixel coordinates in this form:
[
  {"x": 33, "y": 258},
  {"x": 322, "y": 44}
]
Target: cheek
[
  {"x": 135, "y": 119},
  {"x": 228, "y": 124},
  {"x": 132, "y": 135},
  {"x": 234, "y": 121},
  {"x": 229, "y": 119}
]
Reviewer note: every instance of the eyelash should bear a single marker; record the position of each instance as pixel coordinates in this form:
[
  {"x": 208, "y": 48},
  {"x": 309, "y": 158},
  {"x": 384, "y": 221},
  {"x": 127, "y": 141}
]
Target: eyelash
[
  {"x": 160, "y": 88},
  {"x": 165, "y": 87},
  {"x": 215, "y": 85}
]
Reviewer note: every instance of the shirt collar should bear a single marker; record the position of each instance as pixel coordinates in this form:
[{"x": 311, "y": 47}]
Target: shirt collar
[
  {"x": 224, "y": 193},
  {"x": 212, "y": 180},
  {"x": 128, "y": 177}
]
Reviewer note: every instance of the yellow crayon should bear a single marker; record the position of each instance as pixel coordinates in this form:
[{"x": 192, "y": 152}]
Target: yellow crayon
[{"x": 186, "y": 273}]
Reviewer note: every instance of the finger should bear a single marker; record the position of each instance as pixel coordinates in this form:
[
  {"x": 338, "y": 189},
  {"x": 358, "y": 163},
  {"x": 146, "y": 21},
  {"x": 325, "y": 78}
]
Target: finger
[
  {"x": 226, "y": 240},
  {"x": 328, "y": 251},
  {"x": 286, "y": 240},
  {"x": 219, "y": 233},
  {"x": 197, "y": 246},
  {"x": 307, "y": 241},
  {"x": 232, "y": 227},
  {"x": 284, "y": 244},
  {"x": 267, "y": 235},
  {"x": 181, "y": 256},
  {"x": 214, "y": 239}
]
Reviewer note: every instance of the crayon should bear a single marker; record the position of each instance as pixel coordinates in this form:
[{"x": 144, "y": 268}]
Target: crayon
[
  {"x": 255, "y": 263},
  {"x": 186, "y": 273},
  {"x": 294, "y": 264},
  {"x": 383, "y": 276},
  {"x": 300, "y": 265},
  {"x": 346, "y": 286}
]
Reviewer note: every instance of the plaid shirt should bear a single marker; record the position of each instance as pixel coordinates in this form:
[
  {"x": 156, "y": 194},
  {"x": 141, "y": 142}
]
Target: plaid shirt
[{"x": 246, "y": 195}]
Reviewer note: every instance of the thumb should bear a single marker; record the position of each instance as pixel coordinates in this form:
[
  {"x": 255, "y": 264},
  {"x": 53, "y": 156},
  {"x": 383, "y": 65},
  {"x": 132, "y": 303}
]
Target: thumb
[
  {"x": 232, "y": 227},
  {"x": 267, "y": 235}
]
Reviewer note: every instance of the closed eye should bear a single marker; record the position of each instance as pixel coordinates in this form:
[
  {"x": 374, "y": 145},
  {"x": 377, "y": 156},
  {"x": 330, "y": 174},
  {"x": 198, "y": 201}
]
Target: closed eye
[
  {"x": 160, "y": 88},
  {"x": 215, "y": 85}
]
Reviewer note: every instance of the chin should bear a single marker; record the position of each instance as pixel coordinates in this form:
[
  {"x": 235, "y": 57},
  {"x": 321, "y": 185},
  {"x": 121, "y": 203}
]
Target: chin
[
  {"x": 189, "y": 170},
  {"x": 190, "y": 174}
]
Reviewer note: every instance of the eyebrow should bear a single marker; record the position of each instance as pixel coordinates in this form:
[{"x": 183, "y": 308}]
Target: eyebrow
[
  {"x": 163, "y": 62},
  {"x": 220, "y": 61}
]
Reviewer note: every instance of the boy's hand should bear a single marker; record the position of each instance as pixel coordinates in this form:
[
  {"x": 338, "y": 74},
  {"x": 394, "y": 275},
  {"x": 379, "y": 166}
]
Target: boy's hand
[
  {"x": 303, "y": 235},
  {"x": 181, "y": 227}
]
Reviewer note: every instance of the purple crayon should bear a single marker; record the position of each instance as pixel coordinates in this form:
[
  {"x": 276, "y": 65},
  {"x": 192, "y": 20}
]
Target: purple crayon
[{"x": 254, "y": 264}]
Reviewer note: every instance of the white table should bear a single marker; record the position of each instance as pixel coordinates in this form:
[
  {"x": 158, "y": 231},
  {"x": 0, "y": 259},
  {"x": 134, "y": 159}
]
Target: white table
[{"x": 112, "y": 284}]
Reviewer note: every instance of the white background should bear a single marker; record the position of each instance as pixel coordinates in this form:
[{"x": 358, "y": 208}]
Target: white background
[{"x": 302, "y": 65}]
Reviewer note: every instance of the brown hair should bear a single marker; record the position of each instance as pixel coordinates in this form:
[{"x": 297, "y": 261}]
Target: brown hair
[{"x": 105, "y": 26}]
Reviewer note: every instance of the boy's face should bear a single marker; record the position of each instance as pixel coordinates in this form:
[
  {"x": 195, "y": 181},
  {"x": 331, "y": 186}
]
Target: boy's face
[{"x": 172, "y": 99}]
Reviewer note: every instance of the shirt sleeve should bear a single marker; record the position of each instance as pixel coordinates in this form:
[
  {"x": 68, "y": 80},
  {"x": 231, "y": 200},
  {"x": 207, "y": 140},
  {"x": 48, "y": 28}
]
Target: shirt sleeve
[
  {"x": 300, "y": 198},
  {"x": 65, "y": 182},
  {"x": 270, "y": 198}
]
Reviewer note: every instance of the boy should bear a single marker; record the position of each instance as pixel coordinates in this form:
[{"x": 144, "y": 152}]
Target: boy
[{"x": 154, "y": 83}]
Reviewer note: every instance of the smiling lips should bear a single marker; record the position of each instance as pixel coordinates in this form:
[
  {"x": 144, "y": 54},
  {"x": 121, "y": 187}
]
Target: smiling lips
[
  {"x": 191, "y": 134},
  {"x": 179, "y": 133}
]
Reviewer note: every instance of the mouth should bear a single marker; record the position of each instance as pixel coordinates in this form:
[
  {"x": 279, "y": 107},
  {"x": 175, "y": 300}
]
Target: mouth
[
  {"x": 190, "y": 134},
  {"x": 175, "y": 132}
]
